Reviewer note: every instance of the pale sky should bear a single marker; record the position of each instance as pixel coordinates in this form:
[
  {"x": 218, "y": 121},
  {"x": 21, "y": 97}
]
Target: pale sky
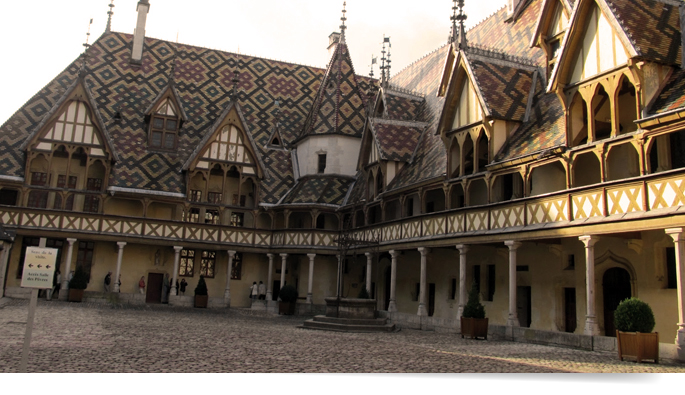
[{"x": 41, "y": 37}]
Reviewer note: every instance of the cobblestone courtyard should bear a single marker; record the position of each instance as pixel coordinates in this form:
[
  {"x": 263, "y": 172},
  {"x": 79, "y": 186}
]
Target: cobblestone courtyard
[{"x": 70, "y": 337}]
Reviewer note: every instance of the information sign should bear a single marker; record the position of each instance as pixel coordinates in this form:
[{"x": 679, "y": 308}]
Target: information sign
[{"x": 39, "y": 267}]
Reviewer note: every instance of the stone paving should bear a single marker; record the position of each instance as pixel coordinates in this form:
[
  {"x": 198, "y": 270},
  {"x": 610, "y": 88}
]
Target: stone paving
[{"x": 70, "y": 337}]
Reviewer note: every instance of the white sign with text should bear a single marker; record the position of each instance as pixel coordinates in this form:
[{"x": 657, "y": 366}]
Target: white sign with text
[{"x": 39, "y": 267}]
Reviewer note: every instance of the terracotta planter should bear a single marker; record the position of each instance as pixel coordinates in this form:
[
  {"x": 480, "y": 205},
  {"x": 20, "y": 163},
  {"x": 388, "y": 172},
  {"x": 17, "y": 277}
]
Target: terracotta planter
[
  {"x": 638, "y": 346},
  {"x": 76, "y": 295},
  {"x": 287, "y": 308},
  {"x": 201, "y": 301},
  {"x": 474, "y": 328}
]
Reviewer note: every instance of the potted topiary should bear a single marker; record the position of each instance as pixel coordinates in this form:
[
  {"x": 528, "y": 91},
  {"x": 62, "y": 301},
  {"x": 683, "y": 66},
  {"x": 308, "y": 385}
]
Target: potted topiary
[
  {"x": 288, "y": 296},
  {"x": 634, "y": 322},
  {"x": 201, "y": 297},
  {"x": 473, "y": 321},
  {"x": 77, "y": 285}
]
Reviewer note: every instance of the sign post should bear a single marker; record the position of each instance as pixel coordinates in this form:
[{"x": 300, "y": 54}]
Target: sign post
[{"x": 39, "y": 270}]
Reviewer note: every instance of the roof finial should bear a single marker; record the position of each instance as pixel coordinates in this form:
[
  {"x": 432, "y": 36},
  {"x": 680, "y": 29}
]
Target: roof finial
[
  {"x": 374, "y": 60},
  {"x": 235, "y": 80},
  {"x": 453, "y": 30},
  {"x": 385, "y": 62},
  {"x": 343, "y": 19},
  {"x": 461, "y": 40},
  {"x": 108, "y": 29},
  {"x": 86, "y": 45}
]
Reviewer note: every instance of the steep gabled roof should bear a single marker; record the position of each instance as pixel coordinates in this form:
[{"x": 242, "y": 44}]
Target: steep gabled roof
[
  {"x": 171, "y": 88},
  {"x": 339, "y": 106},
  {"x": 672, "y": 97},
  {"x": 319, "y": 189},
  {"x": 396, "y": 140},
  {"x": 548, "y": 6}
]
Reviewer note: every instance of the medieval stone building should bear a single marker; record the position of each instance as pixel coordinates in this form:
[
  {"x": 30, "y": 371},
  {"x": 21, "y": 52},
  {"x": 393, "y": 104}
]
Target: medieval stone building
[{"x": 538, "y": 156}]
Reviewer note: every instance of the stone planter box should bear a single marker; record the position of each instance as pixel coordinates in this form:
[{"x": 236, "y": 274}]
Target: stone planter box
[
  {"x": 638, "y": 345},
  {"x": 201, "y": 301},
  {"x": 76, "y": 295},
  {"x": 351, "y": 308},
  {"x": 287, "y": 308},
  {"x": 474, "y": 328}
]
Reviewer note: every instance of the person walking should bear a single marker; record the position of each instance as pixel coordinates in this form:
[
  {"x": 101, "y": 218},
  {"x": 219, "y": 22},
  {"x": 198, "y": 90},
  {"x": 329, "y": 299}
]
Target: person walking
[
  {"x": 120, "y": 283},
  {"x": 184, "y": 284},
  {"x": 108, "y": 280},
  {"x": 262, "y": 291},
  {"x": 254, "y": 291},
  {"x": 141, "y": 285}
]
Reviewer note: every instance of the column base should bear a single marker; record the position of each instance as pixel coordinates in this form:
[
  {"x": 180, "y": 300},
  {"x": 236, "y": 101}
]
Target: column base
[
  {"x": 269, "y": 295},
  {"x": 680, "y": 344},
  {"x": 310, "y": 299},
  {"x": 460, "y": 312},
  {"x": 513, "y": 321},
  {"x": 64, "y": 291},
  {"x": 227, "y": 298},
  {"x": 422, "y": 312},
  {"x": 591, "y": 327},
  {"x": 392, "y": 307}
]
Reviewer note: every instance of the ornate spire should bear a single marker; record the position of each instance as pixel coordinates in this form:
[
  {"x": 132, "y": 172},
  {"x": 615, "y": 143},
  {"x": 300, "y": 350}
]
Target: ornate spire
[
  {"x": 86, "y": 45},
  {"x": 374, "y": 60},
  {"x": 385, "y": 62},
  {"x": 342, "y": 26},
  {"x": 453, "y": 30},
  {"x": 108, "y": 29},
  {"x": 461, "y": 39}
]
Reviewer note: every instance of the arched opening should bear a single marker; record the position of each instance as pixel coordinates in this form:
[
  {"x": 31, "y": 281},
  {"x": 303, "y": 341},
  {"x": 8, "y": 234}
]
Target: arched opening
[
  {"x": 279, "y": 220},
  {"x": 327, "y": 221},
  {"x": 616, "y": 287},
  {"x": 667, "y": 152},
  {"x": 455, "y": 159},
  {"x": 547, "y": 179},
  {"x": 457, "y": 199},
  {"x": 478, "y": 192},
  {"x": 578, "y": 121},
  {"x": 412, "y": 205},
  {"x": 483, "y": 151},
  {"x": 197, "y": 187},
  {"x": 622, "y": 162},
  {"x": 370, "y": 191},
  {"x": 248, "y": 192},
  {"x": 215, "y": 185},
  {"x": 232, "y": 188},
  {"x": 374, "y": 214},
  {"x": 467, "y": 150},
  {"x": 507, "y": 187},
  {"x": 435, "y": 200},
  {"x": 627, "y": 107},
  {"x": 300, "y": 220},
  {"x": 359, "y": 218},
  {"x": 601, "y": 107},
  {"x": 380, "y": 182},
  {"x": 586, "y": 170},
  {"x": 264, "y": 221},
  {"x": 392, "y": 210}
]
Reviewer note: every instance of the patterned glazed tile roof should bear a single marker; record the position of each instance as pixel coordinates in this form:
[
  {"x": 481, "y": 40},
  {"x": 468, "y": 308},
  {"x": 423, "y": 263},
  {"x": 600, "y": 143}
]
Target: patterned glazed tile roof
[
  {"x": 319, "y": 189},
  {"x": 396, "y": 140},
  {"x": 202, "y": 79},
  {"x": 339, "y": 107},
  {"x": 505, "y": 86},
  {"x": 672, "y": 96},
  {"x": 403, "y": 107},
  {"x": 661, "y": 41}
]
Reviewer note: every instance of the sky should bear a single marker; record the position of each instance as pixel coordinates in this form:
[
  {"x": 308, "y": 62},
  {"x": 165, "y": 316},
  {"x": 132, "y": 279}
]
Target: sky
[{"x": 40, "y": 38}]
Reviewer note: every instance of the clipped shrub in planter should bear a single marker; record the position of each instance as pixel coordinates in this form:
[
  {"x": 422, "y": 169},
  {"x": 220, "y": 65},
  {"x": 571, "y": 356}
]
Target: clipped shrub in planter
[
  {"x": 288, "y": 296},
  {"x": 201, "y": 297},
  {"x": 473, "y": 321},
  {"x": 634, "y": 322},
  {"x": 77, "y": 285}
]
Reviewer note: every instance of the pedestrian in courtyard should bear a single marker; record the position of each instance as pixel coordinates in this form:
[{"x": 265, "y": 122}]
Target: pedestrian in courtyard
[
  {"x": 108, "y": 280},
  {"x": 262, "y": 291},
  {"x": 56, "y": 283},
  {"x": 254, "y": 291},
  {"x": 184, "y": 284},
  {"x": 141, "y": 285},
  {"x": 119, "y": 283}
]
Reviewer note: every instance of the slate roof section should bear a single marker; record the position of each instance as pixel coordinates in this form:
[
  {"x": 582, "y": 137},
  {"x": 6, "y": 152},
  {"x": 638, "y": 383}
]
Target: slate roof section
[
  {"x": 339, "y": 106},
  {"x": 319, "y": 189},
  {"x": 403, "y": 107},
  {"x": 396, "y": 140},
  {"x": 672, "y": 97},
  {"x": 661, "y": 42}
]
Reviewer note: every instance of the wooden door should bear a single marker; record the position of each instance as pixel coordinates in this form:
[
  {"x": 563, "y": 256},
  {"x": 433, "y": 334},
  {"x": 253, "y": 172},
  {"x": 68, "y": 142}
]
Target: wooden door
[
  {"x": 570, "y": 320},
  {"x": 153, "y": 293},
  {"x": 431, "y": 299},
  {"x": 523, "y": 306},
  {"x": 616, "y": 288}
]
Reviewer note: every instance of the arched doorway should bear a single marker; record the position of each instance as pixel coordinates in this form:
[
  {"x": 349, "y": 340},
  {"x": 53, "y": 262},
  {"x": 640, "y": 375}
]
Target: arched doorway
[{"x": 616, "y": 288}]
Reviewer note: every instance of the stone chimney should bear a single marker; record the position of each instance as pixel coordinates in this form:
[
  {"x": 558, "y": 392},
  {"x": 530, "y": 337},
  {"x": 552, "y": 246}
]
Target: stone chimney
[
  {"x": 333, "y": 41},
  {"x": 139, "y": 33}
]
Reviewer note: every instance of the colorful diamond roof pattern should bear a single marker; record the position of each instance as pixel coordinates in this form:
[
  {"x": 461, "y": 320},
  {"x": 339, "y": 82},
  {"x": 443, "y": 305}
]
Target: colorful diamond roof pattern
[
  {"x": 319, "y": 189},
  {"x": 396, "y": 140}
]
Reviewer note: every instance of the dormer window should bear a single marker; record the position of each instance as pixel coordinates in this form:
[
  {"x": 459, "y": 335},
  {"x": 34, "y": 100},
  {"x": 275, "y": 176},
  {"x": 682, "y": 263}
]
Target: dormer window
[{"x": 164, "y": 126}]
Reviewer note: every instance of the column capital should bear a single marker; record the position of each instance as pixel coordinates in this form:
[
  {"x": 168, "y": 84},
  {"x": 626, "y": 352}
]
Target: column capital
[
  {"x": 121, "y": 244},
  {"x": 270, "y": 256},
  {"x": 463, "y": 248},
  {"x": 424, "y": 250},
  {"x": 231, "y": 253},
  {"x": 71, "y": 241},
  {"x": 178, "y": 248},
  {"x": 513, "y": 245},
  {"x": 395, "y": 253},
  {"x": 676, "y": 234},
  {"x": 589, "y": 240},
  {"x": 368, "y": 254},
  {"x": 283, "y": 255},
  {"x": 311, "y": 256}
]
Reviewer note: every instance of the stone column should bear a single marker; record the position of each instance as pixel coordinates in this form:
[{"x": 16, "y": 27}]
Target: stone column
[
  {"x": 284, "y": 257},
  {"x": 229, "y": 269},
  {"x": 422, "y": 285},
  {"x": 591, "y": 325},
  {"x": 177, "y": 260},
  {"x": 269, "y": 281},
  {"x": 4, "y": 258},
  {"x": 392, "y": 305},
  {"x": 311, "y": 257},
  {"x": 513, "y": 319},
  {"x": 120, "y": 257},
  {"x": 679, "y": 241},
  {"x": 463, "y": 249},
  {"x": 64, "y": 289},
  {"x": 369, "y": 266}
]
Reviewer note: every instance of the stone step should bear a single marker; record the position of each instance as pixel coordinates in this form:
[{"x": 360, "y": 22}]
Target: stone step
[
  {"x": 351, "y": 321},
  {"x": 327, "y": 326}
]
